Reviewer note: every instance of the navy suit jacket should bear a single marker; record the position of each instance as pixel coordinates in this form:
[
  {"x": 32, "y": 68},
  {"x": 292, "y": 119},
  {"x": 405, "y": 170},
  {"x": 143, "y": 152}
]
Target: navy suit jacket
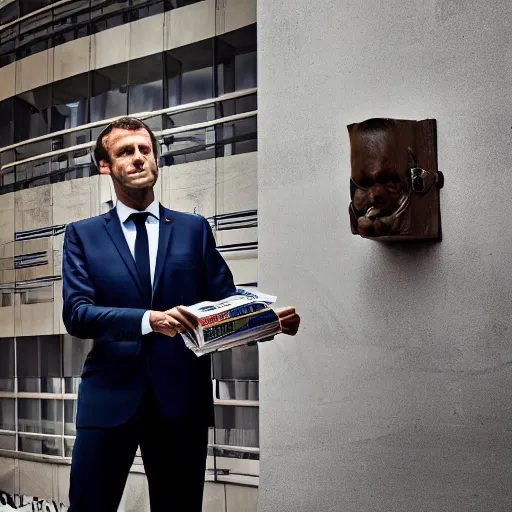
[{"x": 103, "y": 300}]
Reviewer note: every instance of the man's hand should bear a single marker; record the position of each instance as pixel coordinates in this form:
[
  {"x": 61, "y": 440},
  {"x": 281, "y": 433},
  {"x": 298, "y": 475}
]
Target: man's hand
[
  {"x": 172, "y": 321},
  {"x": 289, "y": 321}
]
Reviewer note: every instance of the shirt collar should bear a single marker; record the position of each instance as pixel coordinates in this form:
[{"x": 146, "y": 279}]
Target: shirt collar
[{"x": 124, "y": 211}]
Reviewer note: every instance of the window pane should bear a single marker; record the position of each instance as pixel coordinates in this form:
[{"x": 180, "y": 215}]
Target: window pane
[
  {"x": 175, "y": 4},
  {"x": 7, "y": 421},
  {"x": 69, "y": 417},
  {"x": 68, "y": 447},
  {"x": 149, "y": 9},
  {"x": 50, "y": 355},
  {"x": 41, "y": 293},
  {"x": 34, "y": 34},
  {"x": 238, "y": 363},
  {"x": 237, "y": 390},
  {"x": 70, "y": 15},
  {"x": 236, "y": 60},
  {"x": 146, "y": 86},
  {"x": 70, "y": 102},
  {"x": 245, "y": 71},
  {"x": 75, "y": 351},
  {"x": 109, "y": 92},
  {"x": 7, "y": 442},
  {"x": 40, "y": 416},
  {"x": 190, "y": 73},
  {"x": 9, "y": 12},
  {"x": 28, "y": 6},
  {"x": 27, "y": 358},
  {"x": 31, "y": 111},
  {"x": 6, "y": 124},
  {"x": 6, "y": 364},
  {"x": 43, "y": 446},
  {"x": 237, "y": 426},
  {"x": 237, "y": 137}
]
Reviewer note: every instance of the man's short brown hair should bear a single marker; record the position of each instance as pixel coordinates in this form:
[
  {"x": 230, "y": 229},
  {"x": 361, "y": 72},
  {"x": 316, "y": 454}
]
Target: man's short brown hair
[{"x": 124, "y": 123}]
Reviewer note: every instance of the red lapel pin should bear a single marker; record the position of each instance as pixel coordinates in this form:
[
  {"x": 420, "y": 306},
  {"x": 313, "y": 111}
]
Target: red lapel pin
[{"x": 168, "y": 220}]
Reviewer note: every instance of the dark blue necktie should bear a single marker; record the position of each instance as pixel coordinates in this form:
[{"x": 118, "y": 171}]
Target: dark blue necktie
[{"x": 142, "y": 253}]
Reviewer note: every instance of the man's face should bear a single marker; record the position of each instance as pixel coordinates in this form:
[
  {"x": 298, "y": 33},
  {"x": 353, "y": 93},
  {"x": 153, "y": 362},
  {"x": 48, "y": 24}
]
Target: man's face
[
  {"x": 132, "y": 161},
  {"x": 378, "y": 175}
]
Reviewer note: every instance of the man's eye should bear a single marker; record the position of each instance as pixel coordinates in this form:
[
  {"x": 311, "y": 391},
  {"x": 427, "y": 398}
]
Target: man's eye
[{"x": 364, "y": 183}]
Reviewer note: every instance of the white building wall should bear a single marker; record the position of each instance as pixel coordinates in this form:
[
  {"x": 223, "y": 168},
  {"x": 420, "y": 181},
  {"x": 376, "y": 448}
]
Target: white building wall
[{"x": 395, "y": 395}]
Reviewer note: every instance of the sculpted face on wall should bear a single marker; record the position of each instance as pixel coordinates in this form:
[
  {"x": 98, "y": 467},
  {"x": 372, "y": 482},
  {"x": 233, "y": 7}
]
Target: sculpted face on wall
[{"x": 394, "y": 183}]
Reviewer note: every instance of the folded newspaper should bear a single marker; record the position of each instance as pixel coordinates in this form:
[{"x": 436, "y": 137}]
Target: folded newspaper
[{"x": 237, "y": 320}]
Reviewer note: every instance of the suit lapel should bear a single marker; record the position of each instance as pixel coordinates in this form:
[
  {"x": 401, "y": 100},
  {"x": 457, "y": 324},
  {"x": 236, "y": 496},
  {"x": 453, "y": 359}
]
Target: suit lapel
[
  {"x": 113, "y": 227},
  {"x": 164, "y": 237}
]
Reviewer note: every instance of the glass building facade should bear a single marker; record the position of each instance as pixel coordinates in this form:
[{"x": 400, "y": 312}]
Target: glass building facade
[{"x": 200, "y": 98}]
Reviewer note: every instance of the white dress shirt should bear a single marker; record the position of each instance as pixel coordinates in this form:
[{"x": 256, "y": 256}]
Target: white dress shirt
[{"x": 130, "y": 233}]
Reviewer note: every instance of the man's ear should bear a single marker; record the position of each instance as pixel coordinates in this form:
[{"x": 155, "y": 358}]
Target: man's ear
[{"x": 105, "y": 167}]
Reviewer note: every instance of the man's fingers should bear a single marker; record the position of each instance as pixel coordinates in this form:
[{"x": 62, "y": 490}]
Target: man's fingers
[
  {"x": 290, "y": 324},
  {"x": 282, "y": 312},
  {"x": 290, "y": 319},
  {"x": 189, "y": 316},
  {"x": 182, "y": 323}
]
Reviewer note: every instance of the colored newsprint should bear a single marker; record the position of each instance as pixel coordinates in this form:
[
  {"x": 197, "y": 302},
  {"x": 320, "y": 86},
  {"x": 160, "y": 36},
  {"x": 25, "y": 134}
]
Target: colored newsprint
[{"x": 237, "y": 320}]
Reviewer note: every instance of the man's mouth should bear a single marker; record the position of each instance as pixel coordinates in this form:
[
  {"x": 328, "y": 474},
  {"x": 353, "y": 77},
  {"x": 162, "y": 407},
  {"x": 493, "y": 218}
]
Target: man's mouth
[{"x": 372, "y": 212}]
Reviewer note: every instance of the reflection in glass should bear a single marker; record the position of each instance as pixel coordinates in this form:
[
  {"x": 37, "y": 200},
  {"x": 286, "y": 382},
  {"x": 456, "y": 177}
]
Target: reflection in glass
[
  {"x": 39, "y": 364},
  {"x": 245, "y": 71},
  {"x": 68, "y": 447},
  {"x": 238, "y": 363},
  {"x": 237, "y": 390},
  {"x": 109, "y": 92},
  {"x": 70, "y": 21},
  {"x": 31, "y": 113},
  {"x": 190, "y": 73},
  {"x": 42, "y": 446},
  {"x": 69, "y": 417},
  {"x": 75, "y": 351},
  {"x": 146, "y": 84},
  {"x": 70, "y": 102},
  {"x": 236, "y": 426},
  {"x": 40, "y": 416},
  {"x": 6, "y": 358},
  {"x": 6, "y": 124},
  {"x": 7, "y": 364},
  {"x": 7, "y": 416},
  {"x": 7, "y": 442},
  {"x": 236, "y": 60}
]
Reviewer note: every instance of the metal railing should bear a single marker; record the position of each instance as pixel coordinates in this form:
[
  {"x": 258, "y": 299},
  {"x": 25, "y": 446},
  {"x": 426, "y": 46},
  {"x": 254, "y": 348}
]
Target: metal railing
[{"x": 141, "y": 115}]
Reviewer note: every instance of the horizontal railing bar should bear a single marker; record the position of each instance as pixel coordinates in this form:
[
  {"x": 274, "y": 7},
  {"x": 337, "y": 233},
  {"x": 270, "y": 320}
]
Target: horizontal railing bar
[
  {"x": 163, "y": 133},
  {"x": 237, "y": 403},
  {"x": 244, "y": 449},
  {"x": 206, "y": 124},
  {"x": 36, "y": 435},
  {"x": 41, "y": 396},
  {"x": 35, "y": 457},
  {"x": 141, "y": 115}
]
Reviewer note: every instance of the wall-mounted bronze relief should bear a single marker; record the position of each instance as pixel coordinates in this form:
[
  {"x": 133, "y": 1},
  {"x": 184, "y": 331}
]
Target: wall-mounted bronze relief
[{"x": 394, "y": 183}]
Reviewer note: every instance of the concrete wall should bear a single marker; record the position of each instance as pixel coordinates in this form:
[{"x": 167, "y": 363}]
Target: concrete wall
[{"x": 396, "y": 394}]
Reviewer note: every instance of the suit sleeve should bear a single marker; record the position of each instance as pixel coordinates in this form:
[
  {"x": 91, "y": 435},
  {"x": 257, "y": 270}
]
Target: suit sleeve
[
  {"x": 218, "y": 276},
  {"x": 81, "y": 316}
]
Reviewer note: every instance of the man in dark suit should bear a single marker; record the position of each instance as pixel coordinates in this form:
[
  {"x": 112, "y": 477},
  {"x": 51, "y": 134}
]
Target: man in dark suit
[{"x": 125, "y": 275}]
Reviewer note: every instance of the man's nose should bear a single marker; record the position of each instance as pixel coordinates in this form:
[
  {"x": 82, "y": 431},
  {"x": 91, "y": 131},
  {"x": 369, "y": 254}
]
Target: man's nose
[
  {"x": 377, "y": 193},
  {"x": 138, "y": 157}
]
